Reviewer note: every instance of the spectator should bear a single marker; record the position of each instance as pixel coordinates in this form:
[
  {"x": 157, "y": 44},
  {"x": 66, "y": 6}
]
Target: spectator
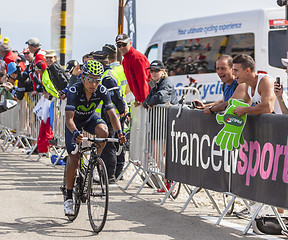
[
  {"x": 18, "y": 82},
  {"x": 124, "y": 89},
  {"x": 163, "y": 90},
  {"x": 41, "y": 68},
  {"x": 280, "y": 94},
  {"x": 8, "y": 87},
  {"x": 135, "y": 66},
  {"x": 230, "y": 87},
  {"x": 259, "y": 90},
  {"x": 39, "y": 55},
  {"x": 56, "y": 71},
  {"x": 281, "y": 97},
  {"x": 28, "y": 55},
  {"x": 70, "y": 65},
  {"x": 117, "y": 67},
  {"x": 88, "y": 56},
  {"x": 9, "y": 56}
]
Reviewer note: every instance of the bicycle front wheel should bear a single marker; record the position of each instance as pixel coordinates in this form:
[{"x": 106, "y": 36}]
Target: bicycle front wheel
[{"x": 98, "y": 195}]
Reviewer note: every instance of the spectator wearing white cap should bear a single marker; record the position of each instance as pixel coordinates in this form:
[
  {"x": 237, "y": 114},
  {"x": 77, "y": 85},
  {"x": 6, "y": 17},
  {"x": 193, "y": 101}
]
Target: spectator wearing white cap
[{"x": 135, "y": 67}]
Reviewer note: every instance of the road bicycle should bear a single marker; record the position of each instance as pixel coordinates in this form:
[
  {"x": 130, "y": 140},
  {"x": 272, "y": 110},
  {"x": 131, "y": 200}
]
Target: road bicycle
[{"x": 91, "y": 183}]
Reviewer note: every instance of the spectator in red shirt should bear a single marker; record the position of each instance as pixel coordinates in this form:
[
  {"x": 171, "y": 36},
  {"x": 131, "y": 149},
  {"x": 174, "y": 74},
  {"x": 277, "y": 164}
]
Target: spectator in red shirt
[
  {"x": 39, "y": 55},
  {"x": 135, "y": 66},
  {"x": 9, "y": 56}
]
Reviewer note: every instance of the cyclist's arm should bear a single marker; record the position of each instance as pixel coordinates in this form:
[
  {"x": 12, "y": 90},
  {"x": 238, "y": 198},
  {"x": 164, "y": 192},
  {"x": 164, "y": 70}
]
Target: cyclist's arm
[
  {"x": 70, "y": 124},
  {"x": 69, "y": 115}
]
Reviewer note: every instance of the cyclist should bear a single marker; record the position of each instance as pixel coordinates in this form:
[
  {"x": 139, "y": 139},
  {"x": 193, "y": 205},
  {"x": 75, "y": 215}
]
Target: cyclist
[{"x": 82, "y": 100}]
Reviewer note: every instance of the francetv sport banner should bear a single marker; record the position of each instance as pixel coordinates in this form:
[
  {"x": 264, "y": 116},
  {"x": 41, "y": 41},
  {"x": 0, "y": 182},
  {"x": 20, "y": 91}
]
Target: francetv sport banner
[{"x": 257, "y": 171}]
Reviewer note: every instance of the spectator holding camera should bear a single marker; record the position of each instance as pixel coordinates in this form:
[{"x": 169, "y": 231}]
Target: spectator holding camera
[
  {"x": 278, "y": 90},
  {"x": 18, "y": 82}
]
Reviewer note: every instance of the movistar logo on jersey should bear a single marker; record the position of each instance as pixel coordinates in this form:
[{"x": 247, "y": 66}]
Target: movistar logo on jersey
[
  {"x": 84, "y": 109},
  {"x": 233, "y": 120}
]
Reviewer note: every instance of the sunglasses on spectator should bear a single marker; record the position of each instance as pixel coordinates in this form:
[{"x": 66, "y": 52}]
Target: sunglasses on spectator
[
  {"x": 8, "y": 76},
  {"x": 93, "y": 80},
  {"x": 119, "y": 45},
  {"x": 26, "y": 53},
  {"x": 154, "y": 70}
]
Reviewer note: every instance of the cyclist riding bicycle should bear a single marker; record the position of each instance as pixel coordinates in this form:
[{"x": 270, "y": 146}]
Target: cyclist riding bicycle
[{"x": 82, "y": 100}]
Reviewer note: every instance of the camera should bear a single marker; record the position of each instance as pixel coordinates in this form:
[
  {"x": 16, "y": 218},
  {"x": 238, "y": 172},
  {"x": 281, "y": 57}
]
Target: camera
[{"x": 282, "y": 3}]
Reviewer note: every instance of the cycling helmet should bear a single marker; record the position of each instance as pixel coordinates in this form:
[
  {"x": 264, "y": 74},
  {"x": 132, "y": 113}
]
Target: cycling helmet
[
  {"x": 93, "y": 67},
  {"x": 70, "y": 65}
]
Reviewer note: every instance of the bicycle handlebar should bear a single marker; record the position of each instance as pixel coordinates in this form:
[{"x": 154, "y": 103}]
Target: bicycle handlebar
[{"x": 99, "y": 140}]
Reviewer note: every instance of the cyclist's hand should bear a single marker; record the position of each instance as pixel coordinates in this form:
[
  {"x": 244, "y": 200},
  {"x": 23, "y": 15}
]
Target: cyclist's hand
[
  {"x": 78, "y": 136},
  {"x": 122, "y": 138},
  {"x": 79, "y": 139}
]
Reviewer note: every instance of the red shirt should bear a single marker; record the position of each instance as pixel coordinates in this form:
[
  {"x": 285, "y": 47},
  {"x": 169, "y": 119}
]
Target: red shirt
[
  {"x": 135, "y": 66},
  {"x": 11, "y": 57}
]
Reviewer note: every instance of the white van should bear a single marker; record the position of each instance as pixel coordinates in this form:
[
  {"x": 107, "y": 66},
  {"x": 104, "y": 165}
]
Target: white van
[{"x": 189, "y": 48}]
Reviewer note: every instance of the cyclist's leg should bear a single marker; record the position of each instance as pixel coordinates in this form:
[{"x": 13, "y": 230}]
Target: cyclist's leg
[{"x": 70, "y": 172}]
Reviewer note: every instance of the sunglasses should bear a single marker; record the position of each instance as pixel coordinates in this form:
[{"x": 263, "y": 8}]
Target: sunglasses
[
  {"x": 119, "y": 45},
  {"x": 8, "y": 76},
  {"x": 155, "y": 70},
  {"x": 26, "y": 53},
  {"x": 93, "y": 80}
]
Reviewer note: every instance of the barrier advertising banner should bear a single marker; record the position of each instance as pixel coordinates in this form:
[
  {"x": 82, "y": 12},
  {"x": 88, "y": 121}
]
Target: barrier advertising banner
[
  {"x": 257, "y": 171},
  {"x": 192, "y": 155}
]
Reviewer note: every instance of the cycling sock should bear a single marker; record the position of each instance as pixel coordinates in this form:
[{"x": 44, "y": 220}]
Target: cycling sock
[{"x": 69, "y": 193}]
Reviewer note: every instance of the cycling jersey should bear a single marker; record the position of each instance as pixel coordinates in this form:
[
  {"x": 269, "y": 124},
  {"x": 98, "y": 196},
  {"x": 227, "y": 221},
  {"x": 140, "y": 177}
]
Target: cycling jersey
[{"x": 77, "y": 101}]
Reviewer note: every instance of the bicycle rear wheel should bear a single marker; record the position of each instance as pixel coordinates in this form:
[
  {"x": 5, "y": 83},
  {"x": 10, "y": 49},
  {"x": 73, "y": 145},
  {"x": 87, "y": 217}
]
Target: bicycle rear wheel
[
  {"x": 175, "y": 192},
  {"x": 97, "y": 195},
  {"x": 76, "y": 197}
]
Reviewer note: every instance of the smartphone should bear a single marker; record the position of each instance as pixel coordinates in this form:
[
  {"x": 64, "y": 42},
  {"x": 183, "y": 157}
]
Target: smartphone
[
  {"x": 278, "y": 80},
  {"x": 81, "y": 66}
]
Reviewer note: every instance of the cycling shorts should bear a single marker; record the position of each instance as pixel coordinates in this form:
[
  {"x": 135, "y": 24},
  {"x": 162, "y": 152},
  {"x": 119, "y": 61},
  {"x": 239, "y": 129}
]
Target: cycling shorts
[{"x": 88, "y": 125}]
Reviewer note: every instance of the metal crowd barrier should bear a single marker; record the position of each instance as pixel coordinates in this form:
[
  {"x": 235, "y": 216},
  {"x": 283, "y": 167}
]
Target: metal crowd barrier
[
  {"x": 148, "y": 140},
  {"x": 20, "y": 126}
]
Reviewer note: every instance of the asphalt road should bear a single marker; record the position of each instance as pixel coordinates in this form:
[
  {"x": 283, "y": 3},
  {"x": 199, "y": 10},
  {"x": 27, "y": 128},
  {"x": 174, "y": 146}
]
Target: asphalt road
[{"x": 32, "y": 208}]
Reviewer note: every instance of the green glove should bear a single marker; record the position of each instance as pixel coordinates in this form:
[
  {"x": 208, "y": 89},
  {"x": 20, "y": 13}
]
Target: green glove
[{"x": 230, "y": 136}]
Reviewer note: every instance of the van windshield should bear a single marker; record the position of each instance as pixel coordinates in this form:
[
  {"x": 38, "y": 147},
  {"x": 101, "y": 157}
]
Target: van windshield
[
  {"x": 277, "y": 48},
  {"x": 198, "y": 55}
]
